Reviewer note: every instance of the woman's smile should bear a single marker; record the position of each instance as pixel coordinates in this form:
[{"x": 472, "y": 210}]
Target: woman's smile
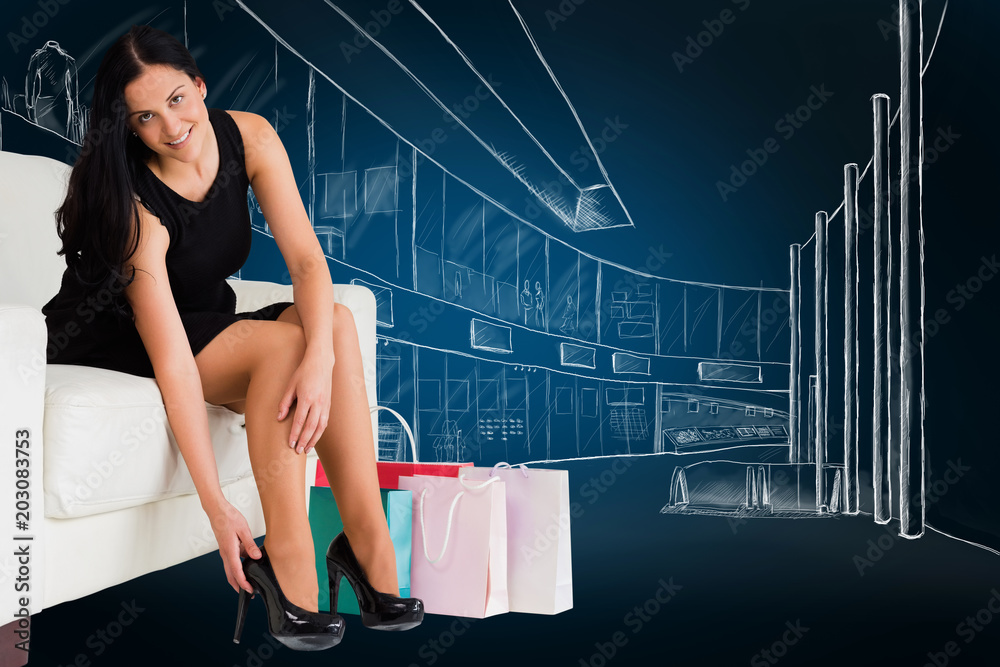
[{"x": 182, "y": 141}]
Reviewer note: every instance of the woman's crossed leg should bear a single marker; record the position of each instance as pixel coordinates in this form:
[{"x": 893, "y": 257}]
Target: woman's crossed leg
[{"x": 247, "y": 368}]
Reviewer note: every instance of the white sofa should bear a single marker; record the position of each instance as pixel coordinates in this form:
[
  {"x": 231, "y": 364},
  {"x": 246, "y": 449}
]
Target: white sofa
[{"x": 107, "y": 489}]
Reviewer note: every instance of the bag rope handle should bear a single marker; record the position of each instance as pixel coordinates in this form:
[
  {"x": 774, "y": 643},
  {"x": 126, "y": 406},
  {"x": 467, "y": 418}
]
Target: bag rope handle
[
  {"x": 505, "y": 465},
  {"x": 451, "y": 514},
  {"x": 406, "y": 427}
]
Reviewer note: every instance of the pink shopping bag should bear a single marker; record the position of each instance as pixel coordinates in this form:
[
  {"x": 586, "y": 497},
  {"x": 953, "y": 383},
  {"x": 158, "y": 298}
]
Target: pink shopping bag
[
  {"x": 539, "y": 563},
  {"x": 459, "y": 561}
]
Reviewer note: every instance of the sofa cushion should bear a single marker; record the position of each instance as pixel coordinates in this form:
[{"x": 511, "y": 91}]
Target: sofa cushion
[
  {"x": 32, "y": 187},
  {"x": 108, "y": 445}
]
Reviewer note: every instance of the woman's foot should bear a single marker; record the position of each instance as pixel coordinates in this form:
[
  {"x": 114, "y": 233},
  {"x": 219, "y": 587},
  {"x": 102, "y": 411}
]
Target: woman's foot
[
  {"x": 287, "y": 622},
  {"x": 377, "y": 558},
  {"x": 294, "y": 563},
  {"x": 379, "y": 609}
]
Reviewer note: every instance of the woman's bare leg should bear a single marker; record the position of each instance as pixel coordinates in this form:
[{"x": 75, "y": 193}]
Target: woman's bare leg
[
  {"x": 248, "y": 366},
  {"x": 347, "y": 452}
]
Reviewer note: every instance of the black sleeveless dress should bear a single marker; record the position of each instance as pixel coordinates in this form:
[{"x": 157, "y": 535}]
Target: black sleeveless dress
[{"x": 209, "y": 241}]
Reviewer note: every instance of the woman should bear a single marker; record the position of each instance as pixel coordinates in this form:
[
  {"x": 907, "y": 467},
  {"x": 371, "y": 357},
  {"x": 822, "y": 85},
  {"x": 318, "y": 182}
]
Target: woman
[{"x": 161, "y": 268}]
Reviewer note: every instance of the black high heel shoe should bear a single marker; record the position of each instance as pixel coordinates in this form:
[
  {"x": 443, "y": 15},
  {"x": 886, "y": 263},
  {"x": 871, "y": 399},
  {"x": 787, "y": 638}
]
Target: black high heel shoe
[
  {"x": 290, "y": 624},
  {"x": 379, "y": 611}
]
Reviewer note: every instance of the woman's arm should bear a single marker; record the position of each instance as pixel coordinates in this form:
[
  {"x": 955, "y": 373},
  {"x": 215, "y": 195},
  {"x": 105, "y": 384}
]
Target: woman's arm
[
  {"x": 274, "y": 187},
  {"x": 159, "y": 325}
]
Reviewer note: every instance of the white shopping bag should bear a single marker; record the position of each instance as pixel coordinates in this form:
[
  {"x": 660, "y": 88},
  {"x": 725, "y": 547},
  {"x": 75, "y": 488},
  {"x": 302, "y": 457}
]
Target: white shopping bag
[
  {"x": 459, "y": 561},
  {"x": 539, "y": 562}
]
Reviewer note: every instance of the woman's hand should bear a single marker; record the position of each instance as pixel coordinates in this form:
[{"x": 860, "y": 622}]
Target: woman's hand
[
  {"x": 235, "y": 539},
  {"x": 309, "y": 388}
]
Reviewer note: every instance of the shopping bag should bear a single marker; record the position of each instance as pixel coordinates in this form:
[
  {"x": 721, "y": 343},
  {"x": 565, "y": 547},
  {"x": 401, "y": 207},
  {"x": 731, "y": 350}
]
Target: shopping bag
[
  {"x": 459, "y": 561},
  {"x": 389, "y": 472},
  {"x": 539, "y": 563},
  {"x": 325, "y": 523}
]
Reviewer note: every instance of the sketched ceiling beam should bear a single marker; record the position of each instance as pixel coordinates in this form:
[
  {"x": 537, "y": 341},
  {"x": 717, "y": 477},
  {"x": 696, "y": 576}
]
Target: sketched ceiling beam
[
  {"x": 496, "y": 155},
  {"x": 590, "y": 199},
  {"x": 588, "y": 212}
]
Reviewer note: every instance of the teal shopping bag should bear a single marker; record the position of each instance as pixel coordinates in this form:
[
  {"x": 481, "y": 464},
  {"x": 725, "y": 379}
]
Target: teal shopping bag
[{"x": 325, "y": 523}]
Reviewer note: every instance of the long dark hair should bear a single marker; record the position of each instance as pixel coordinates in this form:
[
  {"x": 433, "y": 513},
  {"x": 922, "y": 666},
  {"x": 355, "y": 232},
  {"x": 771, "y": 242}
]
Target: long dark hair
[{"x": 95, "y": 221}]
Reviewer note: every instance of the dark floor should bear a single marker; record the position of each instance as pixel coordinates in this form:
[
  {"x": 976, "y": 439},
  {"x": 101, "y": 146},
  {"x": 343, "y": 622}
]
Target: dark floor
[{"x": 788, "y": 587}]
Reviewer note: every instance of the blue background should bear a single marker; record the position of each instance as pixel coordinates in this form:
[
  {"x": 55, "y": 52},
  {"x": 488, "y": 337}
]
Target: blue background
[{"x": 681, "y": 133}]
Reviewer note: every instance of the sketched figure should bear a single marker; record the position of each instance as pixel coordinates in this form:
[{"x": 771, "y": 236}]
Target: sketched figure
[
  {"x": 539, "y": 306},
  {"x": 453, "y": 434},
  {"x": 569, "y": 317},
  {"x": 51, "y": 90},
  {"x": 444, "y": 444},
  {"x": 527, "y": 302},
  {"x": 454, "y": 438},
  {"x": 458, "y": 284},
  {"x": 464, "y": 451}
]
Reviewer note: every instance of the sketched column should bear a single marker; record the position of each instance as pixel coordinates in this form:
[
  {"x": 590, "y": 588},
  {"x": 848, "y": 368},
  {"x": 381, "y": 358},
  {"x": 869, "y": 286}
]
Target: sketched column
[
  {"x": 819, "y": 444},
  {"x": 795, "y": 369},
  {"x": 851, "y": 490},
  {"x": 883, "y": 262},
  {"x": 911, "y": 279},
  {"x": 836, "y": 370}
]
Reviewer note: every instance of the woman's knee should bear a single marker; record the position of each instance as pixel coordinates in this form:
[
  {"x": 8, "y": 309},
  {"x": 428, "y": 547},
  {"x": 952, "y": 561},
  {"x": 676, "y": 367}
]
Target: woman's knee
[
  {"x": 281, "y": 347},
  {"x": 342, "y": 316},
  {"x": 343, "y": 322}
]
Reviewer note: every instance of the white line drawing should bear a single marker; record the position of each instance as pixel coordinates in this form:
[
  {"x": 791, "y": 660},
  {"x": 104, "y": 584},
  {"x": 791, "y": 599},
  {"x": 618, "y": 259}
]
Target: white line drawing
[
  {"x": 625, "y": 396},
  {"x": 429, "y": 394},
  {"x": 339, "y": 195},
  {"x": 388, "y": 376},
  {"x": 823, "y": 467},
  {"x": 718, "y": 372},
  {"x": 519, "y": 283},
  {"x": 731, "y": 488},
  {"x": 51, "y": 91},
  {"x": 51, "y": 94},
  {"x": 380, "y": 190},
  {"x": 588, "y": 213},
  {"x": 490, "y": 337},
  {"x": 383, "y": 302},
  {"x": 564, "y": 401},
  {"x": 622, "y": 362},
  {"x": 590, "y": 205},
  {"x": 580, "y": 356}
]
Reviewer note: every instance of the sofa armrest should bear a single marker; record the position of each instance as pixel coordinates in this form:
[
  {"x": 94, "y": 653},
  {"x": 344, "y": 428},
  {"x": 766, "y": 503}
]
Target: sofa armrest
[
  {"x": 22, "y": 398},
  {"x": 254, "y": 294}
]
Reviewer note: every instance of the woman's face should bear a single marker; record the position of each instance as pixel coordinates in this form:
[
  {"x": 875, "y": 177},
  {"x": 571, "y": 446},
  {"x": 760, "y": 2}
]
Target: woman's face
[{"x": 167, "y": 111}]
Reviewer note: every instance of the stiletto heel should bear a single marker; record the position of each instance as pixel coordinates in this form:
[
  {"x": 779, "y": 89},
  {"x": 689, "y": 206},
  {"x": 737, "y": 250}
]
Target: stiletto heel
[
  {"x": 290, "y": 624},
  {"x": 334, "y": 575},
  {"x": 379, "y": 611},
  {"x": 241, "y": 614}
]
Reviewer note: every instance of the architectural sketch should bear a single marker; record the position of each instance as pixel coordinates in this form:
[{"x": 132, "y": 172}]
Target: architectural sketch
[
  {"x": 454, "y": 158},
  {"x": 821, "y": 474},
  {"x": 461, "y": 217}
]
